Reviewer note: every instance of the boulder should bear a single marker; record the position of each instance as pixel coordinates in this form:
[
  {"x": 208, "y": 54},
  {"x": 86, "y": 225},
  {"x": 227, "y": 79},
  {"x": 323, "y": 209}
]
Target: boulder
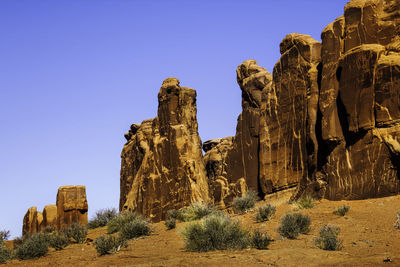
[
  {"x": 50, "y": 216},
  {"x": 72, "y": 206},
  {"x": 162, "y": 164},
  {"x": 30, "y": 222}
]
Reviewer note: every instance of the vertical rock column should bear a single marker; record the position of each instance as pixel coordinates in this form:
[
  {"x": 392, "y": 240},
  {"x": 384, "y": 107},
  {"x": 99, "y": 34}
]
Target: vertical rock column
[{"x": 72, "y": 206}]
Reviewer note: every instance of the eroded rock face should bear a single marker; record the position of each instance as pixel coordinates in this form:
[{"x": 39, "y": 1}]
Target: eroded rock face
[
  {"x": 72, "y": 206},
  {"x": 50, "y": 216},
  {"x": 30, "y": 222},
  {"x": 162, "y": 165},
  {"x": 359, "y": 103},
  {"x": 288, "y": 143}
]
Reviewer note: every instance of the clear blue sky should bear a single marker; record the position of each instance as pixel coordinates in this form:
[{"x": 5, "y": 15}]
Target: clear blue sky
[{"x": 74, "y": 74}]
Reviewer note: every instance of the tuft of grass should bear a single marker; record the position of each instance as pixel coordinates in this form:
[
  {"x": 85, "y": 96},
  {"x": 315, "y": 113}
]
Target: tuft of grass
[
  {"x": 58, "y": 240},
  {"x": 216, "y": 231},
  {"x": 33, "y": 247},
  {"x": 108, "y": 244},
  {"x": 294, "y": 224},
  {"x": 328, "y": 238},
  {"x": 342, "y": 210},
  {"x": 260, "y": 240},
  {"x": 397, "y": 222},
  {"x": 170, "y": 223},
  {"x": 305, "y": 202},
  {"x": 76, "y": 231},
  {"x": 135, "y": 228},
  {"x": 116, "y": 224},
  {"x": 265, "y": 213},
  {"x": 196, "y": 211},
  {"x": 102, "y": 217},
  {"x": 242, "y": 204}
]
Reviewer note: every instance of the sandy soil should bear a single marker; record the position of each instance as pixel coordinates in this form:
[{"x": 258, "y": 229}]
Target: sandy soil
[{"x": 369, "y": 239}]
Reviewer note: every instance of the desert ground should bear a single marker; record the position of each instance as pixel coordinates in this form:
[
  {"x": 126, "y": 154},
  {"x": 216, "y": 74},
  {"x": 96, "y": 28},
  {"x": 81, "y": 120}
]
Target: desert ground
[{"x": 369, "y": 239}]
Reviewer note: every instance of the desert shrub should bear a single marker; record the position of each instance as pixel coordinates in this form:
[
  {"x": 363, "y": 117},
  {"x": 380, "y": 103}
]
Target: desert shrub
[
  {"x": 33, "y": 247},
  {"x": 175, "y": 214},
  {"x": 265, "y": 213},
  {"x": 170, "y": 223},
  {"x": 108, "y": 244},
  {"x": 76, "y": 231},
  {"x": 115, "y": 224},
  {"x": 294, "y": 224},
  {"x": 5, "y": 254},
  {"x": 243, "y": 204},
  {"x": 397, "y": 222},
  {"x": 260, "y": 240},
  {"x": 216, "y": 231},
  {"x": 305, "y": 202},
  {"x": 49, "y": 229},
  {"x": 196, "y": 211},
  {"x": 342, "y": 210},
  {"x": 102, "y": 217},
  {"x": 58, "y": 240},
  {"x": 328, "y": 238},
  {"x": 135, "y": 228},
  {"x": 4, "y": 235}
]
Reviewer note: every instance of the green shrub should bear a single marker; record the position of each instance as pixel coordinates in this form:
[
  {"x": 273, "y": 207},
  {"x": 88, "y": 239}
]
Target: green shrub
[
  {"x": 293, "y": 224},
  {"x": 196, "y": 211},
  {"x": 108, "y": 244},
  {"x": 342, "y": 210},
  {"x": 135, "y": 228},
  {"x": 115, "y": 224},
  {"x": 33, "y": 247},
  {"x": 49, "y": 229},
  {"x": 265, "y": 213},
  {"x": 216, "y": 231},
  {"x": 260, "y": 240},
  {"x": 305, "y": 202},
  {"x": 170, "y": 223},
  {"x": 397, "y": 223},
  {"x": 175, "y": 214},
  {"x": 5, "y": 254},
  {"x": 4, "y": 235},
  {"x": 328, "y": 238},
  {"x": 243, "y": 204},
  {"x": 102, "y": 217},
  {"x": 58, "y": 240},
  {"x": 76, "y": 231}
]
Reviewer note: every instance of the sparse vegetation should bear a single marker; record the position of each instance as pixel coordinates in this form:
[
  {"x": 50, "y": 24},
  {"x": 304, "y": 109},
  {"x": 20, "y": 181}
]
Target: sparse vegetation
[
  {"x": 135, "y": 228},
  {"x": 397, "y": 223},
  {"x": 77, "y": 232},
  {"x": 33, "y": 247},
  {"x": 242, "y": 204},
  {"x": 196, "y": 211},
  {"x": 260, "y": 240},
  {"x": 265, "y": 213},
  {"x": 305, "y": 202},
  {"x": 108, "y": 244},
  {"x": 116, "y": 224},
  {"x": 102, "y": 217},
  {"x": 294, "y": 224},
  {"x": 342, "y": 210},
  {"x": 170, "y": 223},
  {"x": 49, "y": 229},
  {"x": 58, "y": 240},
  {"x": 5, "y": 254},
  {"x": 328, "y": 238},
  {"x": 216, "y": 231},
  {"x": 4, "y": 235},
  {"x": 175, "y": 214}
]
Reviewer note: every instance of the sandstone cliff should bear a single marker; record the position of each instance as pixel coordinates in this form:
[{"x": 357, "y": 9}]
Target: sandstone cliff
[{"x": 162, "y": 165}]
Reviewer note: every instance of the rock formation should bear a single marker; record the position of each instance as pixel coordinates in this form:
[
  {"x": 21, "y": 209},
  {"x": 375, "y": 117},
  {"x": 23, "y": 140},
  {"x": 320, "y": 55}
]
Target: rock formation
[
  {"x": 359, "y": 104},
  {"x": 72, "y": 206},
  {"x": 162, "y": 165}
]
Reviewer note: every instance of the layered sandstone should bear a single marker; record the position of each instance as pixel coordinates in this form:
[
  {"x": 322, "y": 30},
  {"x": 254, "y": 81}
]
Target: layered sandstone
[
  {"x": 162, "y": 165},
  {"x": 30, "y": 221},
  {"x": 50, "y": 216},
  {"x": 359, "y": 104},
  {"x": 72, "y": 206}
]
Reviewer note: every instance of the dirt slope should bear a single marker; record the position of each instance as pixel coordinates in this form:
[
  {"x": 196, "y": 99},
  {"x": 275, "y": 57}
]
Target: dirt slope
[{"x": 367, "y": 232}]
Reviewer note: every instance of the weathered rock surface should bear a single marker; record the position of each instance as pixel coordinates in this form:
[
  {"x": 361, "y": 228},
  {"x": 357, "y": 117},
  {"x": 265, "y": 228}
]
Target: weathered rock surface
[
  {"x": 30, "y": 222},
  {"x": 358, "y": 155},
  {"x": 72, "y": 206},
  {"x": 50, "y": 216},
  {"x": 288, "y": 143},
  {"x": 162, "y": 165}
]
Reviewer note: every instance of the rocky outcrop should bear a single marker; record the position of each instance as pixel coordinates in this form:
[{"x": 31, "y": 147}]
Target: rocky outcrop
[
  {"x": 359, "y": 104},
  {"x": 72, "y": 206},
  {"x": 50, "y": 216},
  {"x": 30, "y": 222},
  {"x": 162, "y": 165},
  {"x": 288, "y": 143}
]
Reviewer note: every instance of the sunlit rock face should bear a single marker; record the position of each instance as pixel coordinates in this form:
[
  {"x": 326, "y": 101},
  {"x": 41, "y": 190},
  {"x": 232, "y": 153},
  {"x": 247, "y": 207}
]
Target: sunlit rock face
[
  {"x": 72, "y": 206},
  {"x": 162, "y": 164},
  {"x": 359, "y": 102}
]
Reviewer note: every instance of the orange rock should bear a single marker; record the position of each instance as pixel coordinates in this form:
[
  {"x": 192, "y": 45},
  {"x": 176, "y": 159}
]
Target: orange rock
[
  {"x": 50, "y": 216},
  {"x": 72, "y": 206},
  {"x": 30, "y": 222}
]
